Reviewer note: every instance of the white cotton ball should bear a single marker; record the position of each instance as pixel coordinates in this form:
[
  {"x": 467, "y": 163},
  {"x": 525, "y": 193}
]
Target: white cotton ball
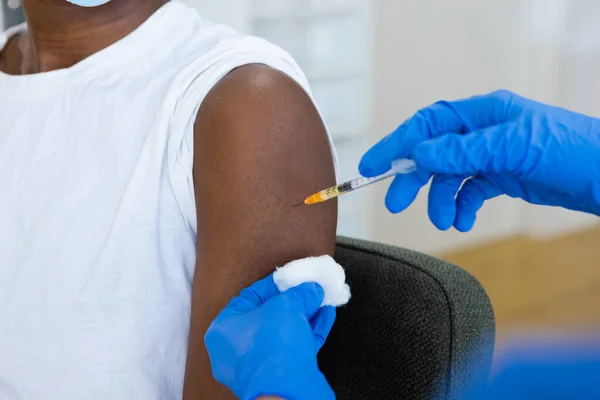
[{"x": 322, "y": 270}]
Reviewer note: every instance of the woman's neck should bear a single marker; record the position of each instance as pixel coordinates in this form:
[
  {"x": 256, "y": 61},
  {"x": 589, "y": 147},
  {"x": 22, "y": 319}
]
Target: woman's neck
[{"x": 61, "y": 34}]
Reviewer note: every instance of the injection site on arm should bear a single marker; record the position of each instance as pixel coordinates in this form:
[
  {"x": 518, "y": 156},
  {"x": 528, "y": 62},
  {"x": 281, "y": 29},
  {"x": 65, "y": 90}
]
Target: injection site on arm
[{"x": 260, "y": 145}]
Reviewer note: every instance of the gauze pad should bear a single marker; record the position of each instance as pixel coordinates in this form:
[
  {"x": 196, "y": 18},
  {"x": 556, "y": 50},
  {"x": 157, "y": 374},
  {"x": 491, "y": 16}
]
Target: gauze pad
[{"x": 322, "y": 270}]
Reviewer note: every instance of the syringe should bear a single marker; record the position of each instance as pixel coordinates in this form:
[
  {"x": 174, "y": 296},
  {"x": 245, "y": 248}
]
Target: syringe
[{"x": 401, "y": 166}]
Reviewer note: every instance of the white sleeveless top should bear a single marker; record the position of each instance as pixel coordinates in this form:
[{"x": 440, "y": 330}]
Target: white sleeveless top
[{"x": 97, "y": 212}]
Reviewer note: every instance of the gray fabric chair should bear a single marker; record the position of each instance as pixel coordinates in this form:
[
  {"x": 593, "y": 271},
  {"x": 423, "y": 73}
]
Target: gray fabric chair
[{"x": 415, "y": 328}]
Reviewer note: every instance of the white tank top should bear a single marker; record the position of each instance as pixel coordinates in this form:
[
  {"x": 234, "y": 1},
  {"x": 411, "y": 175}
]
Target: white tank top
[{"x": 97, "y": 212}]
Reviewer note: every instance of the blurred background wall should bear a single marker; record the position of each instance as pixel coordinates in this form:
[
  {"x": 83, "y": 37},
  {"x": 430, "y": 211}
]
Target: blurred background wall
[{"x": 372, "y": 63}]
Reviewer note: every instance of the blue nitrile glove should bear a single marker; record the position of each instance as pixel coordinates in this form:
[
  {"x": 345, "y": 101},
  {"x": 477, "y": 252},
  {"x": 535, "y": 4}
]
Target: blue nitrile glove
[
  {"x": 266, "y": 343},
  {"x": 569, "y": 371},
  {"x": 504, "y": 144}
]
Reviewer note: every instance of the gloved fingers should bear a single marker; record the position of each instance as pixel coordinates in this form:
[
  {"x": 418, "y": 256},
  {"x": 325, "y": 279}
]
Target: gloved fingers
[
  {"x": 470, "y": 199},
  {"x": 497, "y": 149},
  {"x": 443, "y": 117},
  {"x": 305, "y": 299},
  {"x": 378, "y": 159},
  {"x": 321, "y": 324},
  {"x": 254, "y": 295},
  {"x": 482, "y": 111},
  {"x": 404, "y": 190},
  {"x": 237, "y": 305},
  {"x": 428, "y": 122},
  {"x": 442, "y": 203}
]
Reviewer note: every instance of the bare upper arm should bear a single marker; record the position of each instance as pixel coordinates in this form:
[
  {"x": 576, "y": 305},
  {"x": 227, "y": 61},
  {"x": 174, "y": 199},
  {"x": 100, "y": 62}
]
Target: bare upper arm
[{"x": 260, "y": 147}]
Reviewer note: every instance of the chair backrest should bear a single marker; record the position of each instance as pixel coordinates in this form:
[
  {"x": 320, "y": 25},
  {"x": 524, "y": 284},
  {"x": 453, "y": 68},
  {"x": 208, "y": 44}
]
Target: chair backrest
[{"x": 416, "y": 327}]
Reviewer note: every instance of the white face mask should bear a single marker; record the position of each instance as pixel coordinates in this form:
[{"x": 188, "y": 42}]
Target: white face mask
[
  {"x": 82, "y": 3},
  {"x": 88, "y": 3}
]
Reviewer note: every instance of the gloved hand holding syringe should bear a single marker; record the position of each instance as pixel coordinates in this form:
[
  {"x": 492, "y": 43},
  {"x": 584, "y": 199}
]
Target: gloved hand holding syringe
[{"x": 401, "y": 166}]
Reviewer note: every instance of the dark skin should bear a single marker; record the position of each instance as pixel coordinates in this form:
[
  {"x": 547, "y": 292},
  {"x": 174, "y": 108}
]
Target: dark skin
[
  {"x": 260, "y": 148},
  {"x": 60, "y": 34}
]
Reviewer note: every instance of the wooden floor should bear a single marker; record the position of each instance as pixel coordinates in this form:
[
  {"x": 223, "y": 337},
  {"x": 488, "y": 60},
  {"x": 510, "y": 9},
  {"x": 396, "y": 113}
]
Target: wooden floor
[{"x": 553, "y": 286}]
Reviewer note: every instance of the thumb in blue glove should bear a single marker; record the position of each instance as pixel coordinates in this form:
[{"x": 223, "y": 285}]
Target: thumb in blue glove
[
  {"x": 266, "y": 343},
  {"x": 482, "y": 147}
]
